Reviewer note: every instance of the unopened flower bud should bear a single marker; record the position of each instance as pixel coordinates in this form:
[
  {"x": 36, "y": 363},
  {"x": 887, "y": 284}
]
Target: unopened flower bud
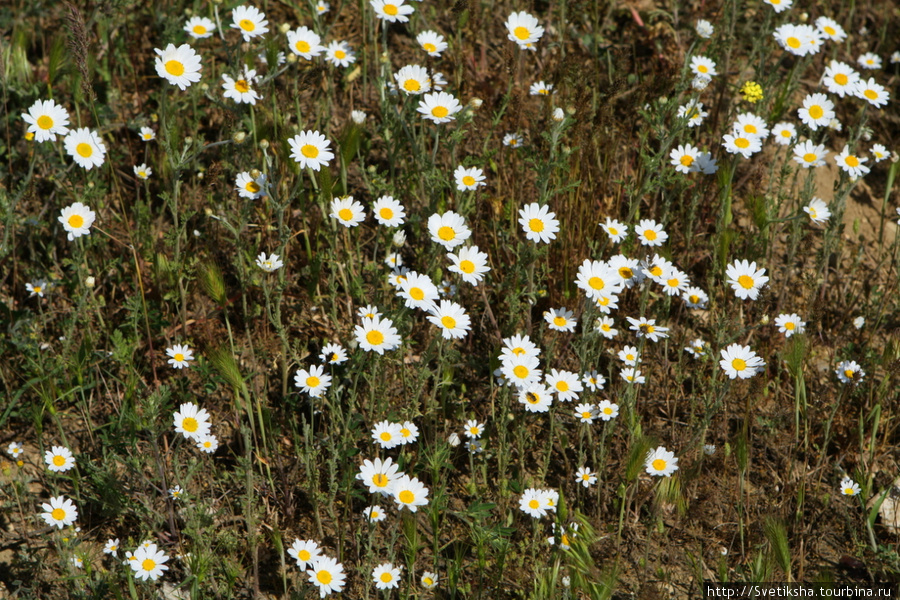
[
  {"x": 476, "y": 103},
  {"x": 263, "y": 144},
  {"x": 284, "y": 27},
  {"x": 90, "y": 282},
  {"x": 239, "y": 137},
  {"x": 558, "y": 115},
  {"x": 254, "y": 173}
]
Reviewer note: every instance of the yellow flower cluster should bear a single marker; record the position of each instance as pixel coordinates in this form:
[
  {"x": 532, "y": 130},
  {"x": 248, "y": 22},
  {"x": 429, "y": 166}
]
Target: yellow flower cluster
[{"x": 752, "y": 92}]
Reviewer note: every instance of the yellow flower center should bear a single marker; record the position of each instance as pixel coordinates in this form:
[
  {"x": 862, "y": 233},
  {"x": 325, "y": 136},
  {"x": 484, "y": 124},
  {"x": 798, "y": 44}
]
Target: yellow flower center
[
  {"x": 440, "y": 112},
  {"x": 428, "y": 581},
  {"x": 650, "y": 234},
  {"x": 84, "y": 149},
  {"x": 76, "y": 221},
  {"x": 324, "y": 577},
  {"x": 309, "y": 151},
  {"x": 793, "y": 42},
  {"x": 536, "y": 225},
  {"x": 607, "y": 410},
  {"x": 673, "y": 283},
  {"x": 829, "y": 30},
  {"x": 340, "y": 54},
  {"x": 468, "y": 180},
  {"x": 386, "y": 213},
  {"x": 417, "y": 293},
  {"x": 412, "y": 85},
  {"x": 304, "y": 555},
  {"x": 596, "y": 283},
  {"x": 810, "y": 157},
  {"x": 404, "y": 432},
  {"x": 520, "y": 371},
  {"x": 446, "y": 233},
  {"x": 386, "y": 577},
  {"x": 252, "y": 187},
  {"x": 534, "y": 504},
  {"x": 174, "y": 68},
  {"x": 789, "y": 325},
  {"x": 870, "y": 94},
  {"x": 742, "y": 142},
  {"x": 645, "y": 328},
  {"x": 374, "y": 515},
  {"x": 312, "y": 381},
  {"x": 656, "y": 270},
  {"x": 703, "y": 68},
  {"x": 190, "y": 424},
  {"x": 605, "y": 327},
  {"x": 848, "y": 373},
  {"x": 745, "y": 281},
  {"x": 467, "y": 266},
  {"x": 375, "y": 338},
  {"x": 613, "y": 231},
  {"x": 586, "y": 415},
  {"x": 390, "y": 9},
  {"x": 148, "y": 565},
  {"x": 659, "y": 464},
  {"x": 247, "y": 25},
  {"x": 695, "y": 299},
  {"x": 380, "y": 479},
  {"x": 44, "y": 122},
  {"x": 345, "y": 214},
  {"x": 852, "y": 161},
  {"x": 562, "y": 386},
  {"x": 385, "y": 436},
  {"x": 521, "y": 32},
  {"x": 58, "y": 514},
  {"x": 841, "y": 79},
  {"x": 738, "y": 364},
  {"x": 406, "y": 497},
  {"x": 816, "y": 111},
  {"x": 242, "y": 86},
  {"x": 448, "y": 322},
  {"x": 686, "y": 160},
  {"x": 603, "y": 301},
  {"x": 429, "y": 47},
  {"x": 302, "y": 46},
  {"x": 559, "y": 321},
  {"x": 59, "y": 460},
  {"x": 199, "y": 29}
]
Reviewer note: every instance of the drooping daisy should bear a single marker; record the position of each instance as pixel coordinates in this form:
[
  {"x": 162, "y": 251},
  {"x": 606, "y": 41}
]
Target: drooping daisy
[
  {"x": 661, "y": 462},
  {"x": 468, "y": 179},
  {"x": 333, "y": 354},
  {"x": 386, "y": 576},
  {"x": 606, "y": 327},
  {"x": 314, "y": 382},
  {"x": 46, "y": 120},
  {"x": 474, "y": 446},
  {"x": 77, "y": 219},
  {"x": 327, "y": 574},
  {"x": 250, "y": 21},
  {"x": 451, "y": 319},
  {"x": 695, "y": 297},
  {"x": 789, "y": 324},
  {"x": 521, "y": 370},
  {"x": 59, "y": 459},
  {"x": 377, "y": 335},
  {"x": 745, "y": 279},
  {"x": 648, "y": 328},
  {"x": 340, "y": 54},
  {"x": 561, "y": 319},
  {"x": 703, "y": 66},
  {"x": 305, "y": 553},
  {"x": 607, "y": 410},
  {"x": 269, "y": 263},
  {"x": 868, "y": 90},
  {"x": 60, "y": 512},
  {"x": 850, "y": 163},
  {"x": 809, "y": 155},
  {"x": 549, "y": 499},
  {"x": 305, "y": 43},
  {"x": 175, "y": 493},
  {"x": 523, "y": 28},
  {"x": 538, "y": 223},
  {"x": 448, "y": 229},
  {"x": 392, "y": 11},
  {"x": 869, "y": 60},
  {"x": 586, "y": 413},
  {"x": 632, "y": 375},
  {"x": 784, "y": 133},
  {"x": 513, "y": 140},
  {"x": 693, "y": 112},
  {"x": 818, "y": 211},
  {"x": 208, "y": 444},
  {"x": 85, "y": 147},
  {"x": 697, "y": 348},
  {"x": 706, "y": 164},
  {"x": 199, "y": 27},
  {"x": 250, "y": 188},
  {"x": 740, "y": 361},
  {"x": 374, "y": 514},
  {"x": 683, "y": 157},
  {"x": 241, "y": 90},
  {"x": 439, "y": 107},
  {"x": 368, "y": 312},
  {"x": 147, "y": 134},
  {"x": 879, "y": 152},
  {"x": 817, "y": 111},
  {"x": 540, "y": 88},
  {"x": 849, "y": 371},
  {"x": 347, "y": 211},
  {"x": 830, "y": 29},
  {"x": 379, "y": 475},
  {"x": 429, "y": 580},
  {"x": 142, "y": 171},
  {"x": 180, "y": 356},
  {"x": 849, "y": 487},
  {"x": 431, "y": 42},
  {"x": 470, "y": 263},
  {"x": 397, "y": 277},
  {"x": 413, "y": 79},
  {"x": 745, "y": 145},
  {"x": 704, "y": 29},
  {"x": 36, "y": 288},
  {"x": 840, "y": 78},
  {"x": 564, "y": 384},
  {"x": 409, "y": 493},
  {"x": 393, "y": 260},
  {"x": 310, "y": 149},
  {"x": 191, "y": 421},
  {"x": 616, "y": 231},
  {"x": 179, "y": 66}
]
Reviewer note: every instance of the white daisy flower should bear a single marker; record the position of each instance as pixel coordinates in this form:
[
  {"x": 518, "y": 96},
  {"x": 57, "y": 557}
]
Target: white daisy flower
[
  {"x": 431, "y": 42},
  {"x": 46, "y": 120},
  {"x": 250, "y": 21},
  {"x": 85, "y": 147},
  {"x": 179, "y": 66},
  {"x": 314, "y": 382},
  {"x": 448, "y": 229},
  {"x": 77, "y": 219},
  {"x": 439, "y": 107},
  {"x": 180, "y": 356},
  {"x": 199, "y": 27},
  {"x": 310, "y": 149},
  {"x": 538, "y": 223},
  {"x": 305, "y": 43},
  {"x": 740, "y": 361}
]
